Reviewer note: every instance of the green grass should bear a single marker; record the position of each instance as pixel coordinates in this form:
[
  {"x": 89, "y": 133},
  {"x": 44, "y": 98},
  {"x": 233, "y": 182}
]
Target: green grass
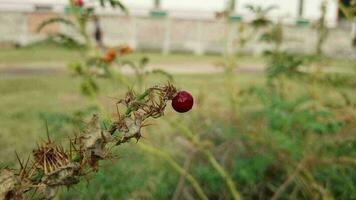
[
  {"x": 135, "y": 174},
  {"x": 49, "y": 53},
  {"x": 246, "y": 144},
  {"x": 24, "y": 98},
  {"x": 139, "y": 175},
  {"x": 37, "y": 54}
]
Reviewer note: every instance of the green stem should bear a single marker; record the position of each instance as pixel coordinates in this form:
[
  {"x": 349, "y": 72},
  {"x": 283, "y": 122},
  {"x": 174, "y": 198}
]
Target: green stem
[
  {"x": 138, "y": 98},
  {"x": 227, "y": 178},
  {"x": 120, "y": 78},
  {"x": 346, "y": 12},
  {"x": 176, "y": 167},
  {"x": 229, "y": 182}
]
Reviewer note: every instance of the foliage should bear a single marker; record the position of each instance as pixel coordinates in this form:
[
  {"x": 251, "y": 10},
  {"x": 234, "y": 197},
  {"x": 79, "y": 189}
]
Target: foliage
[
  {"x": 286, "y": 64},
  {"x": 53, "y": 167},
  {"x": 321, "y": 28},
  {"x": 280, "y": 139},
  {"x": 260, "y": 20}
]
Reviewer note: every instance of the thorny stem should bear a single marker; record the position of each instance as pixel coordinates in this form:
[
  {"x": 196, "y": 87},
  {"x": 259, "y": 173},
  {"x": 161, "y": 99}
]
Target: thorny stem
[
  {"x": 157, "y": 152},
  {"x": 54, "y": 167},
  {"x": 138, "y": 98},
  {"x": 129, "y": 109}
]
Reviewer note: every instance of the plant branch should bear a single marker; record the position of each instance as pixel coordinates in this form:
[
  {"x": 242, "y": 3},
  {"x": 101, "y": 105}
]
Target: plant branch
[{"x": 176, "y": 167}]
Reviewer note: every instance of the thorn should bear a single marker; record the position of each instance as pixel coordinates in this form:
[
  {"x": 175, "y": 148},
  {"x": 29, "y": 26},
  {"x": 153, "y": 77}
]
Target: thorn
[
  {"x": 138, "y": 136},
  {"x": 109, "y": 97},
  {"x": 28, "y": 159},
  {"x": 75, "y": 135},
  {"x": 142, "y": 137},
  {"x": 103, "y": 137},
  {"x": 116, "y": 157},
  {"x": 38, "y": 146},
  {"x": 148, "y": 124},
  {"x": 118, "y": 112},
  {"x": 75, "y": 149},
  {"x": 47, "y": 131},
  {"x": 25, "y": 167},
  {"x": 33, "y": 194},
  {"x": 70, "y": 149},
  {"x": 18, "y": 159}
]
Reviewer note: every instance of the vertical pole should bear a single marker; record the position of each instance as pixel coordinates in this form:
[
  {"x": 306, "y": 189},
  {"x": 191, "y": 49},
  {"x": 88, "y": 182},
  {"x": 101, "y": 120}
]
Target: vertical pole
[
  {"x": 301, "y": 8},
  {"x": 230, "y": 38},
  {"x": 199, "y": 47},
  {"x": 157, "y": 4},
  {"x": 133, "y": 42},
  {"x": 353, "y": 34},
  {"x": 167, "y": 36},
  {"x": 232, "y": 6},
  {"x": 25, "y": 30}
]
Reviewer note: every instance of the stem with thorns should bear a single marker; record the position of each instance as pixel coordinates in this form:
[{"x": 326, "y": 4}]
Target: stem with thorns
[{"x": 53, "y": 166}]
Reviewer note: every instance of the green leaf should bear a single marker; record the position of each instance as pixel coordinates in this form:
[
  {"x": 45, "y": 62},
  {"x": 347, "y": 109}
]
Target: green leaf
[
  {"x": 143, "y": 62},
  {"x": 54, "y": 20},
  {"x": 164, "y": 73},
  {"x": 118, "y": 3},
  {"x": 102, "y": 3},
  {"x": 114, "y": 4},
  {"x": 89, "y": 87},
  {"x": 77, "y": 67},
  {"x": 131, "y": 64},
  {"x": 65, "y": 40}
]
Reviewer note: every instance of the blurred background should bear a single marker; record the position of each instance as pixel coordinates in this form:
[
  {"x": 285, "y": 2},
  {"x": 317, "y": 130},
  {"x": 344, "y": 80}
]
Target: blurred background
[
  {"x": 273, "y": 84},
  {"x": 182, "y": 26}
]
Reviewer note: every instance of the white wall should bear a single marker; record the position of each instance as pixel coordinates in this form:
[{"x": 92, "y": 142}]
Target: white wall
[
  {"x": 140, "y": 4},
  {"x": 28, "y": 5},
  {"x": 194, "y": 5},
  {"x": 287, "y": 9}
]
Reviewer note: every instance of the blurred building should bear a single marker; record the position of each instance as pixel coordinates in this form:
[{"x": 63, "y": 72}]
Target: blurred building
[
  {"x": 290, "y": 10},
  {"x": 177, "y": 25}
]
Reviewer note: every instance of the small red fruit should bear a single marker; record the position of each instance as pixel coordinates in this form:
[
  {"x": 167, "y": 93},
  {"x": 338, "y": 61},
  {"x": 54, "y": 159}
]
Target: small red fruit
[
  {"x": 182, "y": 102},
  {"x": 79, "y": 3}
]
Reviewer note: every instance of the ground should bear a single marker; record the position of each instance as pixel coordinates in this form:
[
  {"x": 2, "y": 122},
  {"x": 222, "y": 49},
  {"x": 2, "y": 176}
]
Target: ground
[
  {"x": 49, "y": 59},
  {"x": 35, "y": 85}
]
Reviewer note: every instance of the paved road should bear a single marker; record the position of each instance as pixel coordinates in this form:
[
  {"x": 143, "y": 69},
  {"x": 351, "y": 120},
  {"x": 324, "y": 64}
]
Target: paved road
[
  {"x": 187, "y": 68},
  {"x": 43, "y": 69}
]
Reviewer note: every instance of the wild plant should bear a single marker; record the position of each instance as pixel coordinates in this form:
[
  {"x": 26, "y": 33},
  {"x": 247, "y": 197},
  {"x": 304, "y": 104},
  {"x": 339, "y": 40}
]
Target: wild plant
[
  {"x": 51, "y": 166},
  {"x": 321, "y": 29}
]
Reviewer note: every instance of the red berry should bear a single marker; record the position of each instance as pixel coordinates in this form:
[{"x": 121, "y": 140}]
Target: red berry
[
  {"x": 79, "y": 3},
  {"x": 182, "y": 102}
]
